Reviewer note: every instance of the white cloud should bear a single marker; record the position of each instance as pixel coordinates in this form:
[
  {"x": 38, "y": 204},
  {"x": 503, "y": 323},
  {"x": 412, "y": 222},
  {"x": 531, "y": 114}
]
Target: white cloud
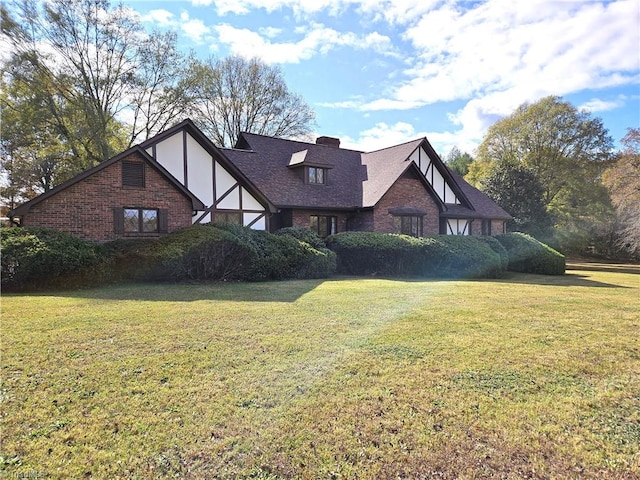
[
  {"x": 193, "y": 28},
  {"x": 161, "y": 17},
  {"x": 500, "y": 54},
  {"x": 317, "y": 39},
  {"x": 599, "y": 105}
]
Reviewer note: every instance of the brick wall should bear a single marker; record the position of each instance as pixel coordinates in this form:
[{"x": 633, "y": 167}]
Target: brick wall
[
  {"x": 85, "y": 209},
  {"x": 408, "y": 191},
  {"x": 300, "y": 218}
]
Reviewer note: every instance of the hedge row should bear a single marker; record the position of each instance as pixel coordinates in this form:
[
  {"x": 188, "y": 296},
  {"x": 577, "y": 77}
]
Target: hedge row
[
  {"x": 221, "y": 252},
  {"x": 33, "y": 258},
  {"x": 528, "y": 255},
  {"x": 38, "y": 258},
  {"x": 366, "y": 253}
]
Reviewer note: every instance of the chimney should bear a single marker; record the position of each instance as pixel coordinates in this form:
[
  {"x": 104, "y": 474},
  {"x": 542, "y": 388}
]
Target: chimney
[{"x": 328, "y": 141}]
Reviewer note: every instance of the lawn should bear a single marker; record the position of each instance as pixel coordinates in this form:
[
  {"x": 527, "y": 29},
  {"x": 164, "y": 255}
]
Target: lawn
[{"x": 527, "y": 376}]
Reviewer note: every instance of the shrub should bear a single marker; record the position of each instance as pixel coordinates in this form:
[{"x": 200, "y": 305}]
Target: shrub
[
  {"x": 365, "y": 253},
  {"x": 528, "y": 255},
  {"x": 39, "y": 257},
  {"x": 304, "y": 234},
  {"x": 198, "y": 252},
  {"x": 282, "y": 256},
  {"x": 497, "y": 247}
]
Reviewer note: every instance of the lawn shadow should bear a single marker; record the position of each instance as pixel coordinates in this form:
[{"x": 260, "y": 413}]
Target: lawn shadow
[
  {"x": 588, "y": 266},
  {"x": 274, "y": 291},
  {"x": 566, "y": 280}
]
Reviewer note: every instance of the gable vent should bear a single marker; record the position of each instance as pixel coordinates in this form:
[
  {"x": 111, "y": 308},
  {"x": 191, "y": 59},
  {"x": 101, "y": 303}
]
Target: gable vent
[
  {"x": 133, "y": 174},
  {"x": 328, "y": 141}
]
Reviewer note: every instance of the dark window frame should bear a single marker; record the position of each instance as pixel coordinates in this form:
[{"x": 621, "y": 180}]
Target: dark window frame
[
  {"x": 141, "y": 216},
  {"x": 411, "y": 225},
  {"x": 223, "y": 217},
  {"x": 324, "y": 225},
  {"x": 316, "y": 175}
]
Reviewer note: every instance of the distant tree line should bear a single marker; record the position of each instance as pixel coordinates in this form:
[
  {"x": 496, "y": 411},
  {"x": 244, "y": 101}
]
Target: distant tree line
[{"x": 554, "y": 168}]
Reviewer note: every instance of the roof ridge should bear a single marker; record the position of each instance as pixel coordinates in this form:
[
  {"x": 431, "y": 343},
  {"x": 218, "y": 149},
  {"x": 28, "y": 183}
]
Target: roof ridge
[{"x": 396, "y": 146}]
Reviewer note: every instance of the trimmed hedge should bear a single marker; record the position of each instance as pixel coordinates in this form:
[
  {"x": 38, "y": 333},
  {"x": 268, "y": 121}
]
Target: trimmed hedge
[
  {"x": 528, "y": 255},
  {"x": 198, "y": 252},
  {"x": 367, "y": 253},
  {"x": 40, "y": 257},
  {"x": 285, "y": 255}
]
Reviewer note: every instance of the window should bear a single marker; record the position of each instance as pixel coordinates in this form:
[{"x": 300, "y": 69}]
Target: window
[
  {"x": 133, "y": 174},
  {"x": 324, "y": 225},
  {"x": 316, "y": 175},
  {"x": 411, "y": 225},
  {"x": 140, "y": 220},
  {"x": 228, "y": 217},
  {"x": 486, "y": 227}
]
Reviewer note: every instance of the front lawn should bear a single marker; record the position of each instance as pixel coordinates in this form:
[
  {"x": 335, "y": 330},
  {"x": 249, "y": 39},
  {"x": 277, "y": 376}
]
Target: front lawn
[{"x": 523, "y": 377}]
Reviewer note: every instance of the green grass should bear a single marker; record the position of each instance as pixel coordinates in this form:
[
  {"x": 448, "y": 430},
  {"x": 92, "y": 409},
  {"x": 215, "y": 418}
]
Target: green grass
[{"x": 523, "y": 377}]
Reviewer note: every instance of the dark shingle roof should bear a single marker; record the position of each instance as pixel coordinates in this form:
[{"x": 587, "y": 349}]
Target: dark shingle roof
[
  {"x": 355, "y": 179},
  {"x": 384, "y": 167},
  {"x": 483, "y": 205},
  {"x": 265, "y": 161}
]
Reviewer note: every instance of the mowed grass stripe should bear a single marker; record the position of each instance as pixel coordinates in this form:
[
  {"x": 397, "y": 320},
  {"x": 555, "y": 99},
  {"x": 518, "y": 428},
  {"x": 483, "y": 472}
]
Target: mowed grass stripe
[{"x": 347, "y": 378}]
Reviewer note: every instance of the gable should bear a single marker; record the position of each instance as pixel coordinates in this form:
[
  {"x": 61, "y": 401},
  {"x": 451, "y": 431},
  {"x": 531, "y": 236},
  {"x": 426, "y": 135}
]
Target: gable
[
  {"x": 434, "y": 174},
  {"x": 205, "y": 170}
]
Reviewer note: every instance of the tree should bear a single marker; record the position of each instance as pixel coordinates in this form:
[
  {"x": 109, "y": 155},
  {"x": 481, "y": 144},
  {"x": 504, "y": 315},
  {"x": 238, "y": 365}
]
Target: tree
[
  {"x": 567, "y": 151},
  {"x": 234, "y": 95},
  {"x": 459, "y": 162},
  {"x": 96, "y": 79},
  {"x": 623, "y": 181},
  {"x": 519, "y": 192}
]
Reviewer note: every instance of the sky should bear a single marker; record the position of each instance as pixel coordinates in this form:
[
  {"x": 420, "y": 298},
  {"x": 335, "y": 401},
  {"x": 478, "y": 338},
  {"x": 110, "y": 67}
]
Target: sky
[{"x": 382, "y": 72}]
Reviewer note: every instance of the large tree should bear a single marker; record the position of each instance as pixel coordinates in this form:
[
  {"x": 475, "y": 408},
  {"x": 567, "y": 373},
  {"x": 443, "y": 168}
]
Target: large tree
[
  {"x": 623, "y": 181},
  {"x": 459, "y": 162},
  {"x": 566, "y": 149},
  {"x": 234, "y": 95},
  {"x": 96, "y": 78},
  {"x": 519, "y": 192}
]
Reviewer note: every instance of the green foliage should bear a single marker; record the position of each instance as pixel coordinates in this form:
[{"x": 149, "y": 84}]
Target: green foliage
[
  {"x": 282, "y": 256},
  {"x": 366, "y": 253},
  {"x": 519, "y": 192},
  {"x": 198, "y": 252},
  {"x": 497, "y": 247},
  {"x": 565, "y": 149},
  {"x": 459, "y": 162},
  {"x": 304, "y": 234},
  {"x": 37, "y": 257},
  {"x": 528, "y": 255}
]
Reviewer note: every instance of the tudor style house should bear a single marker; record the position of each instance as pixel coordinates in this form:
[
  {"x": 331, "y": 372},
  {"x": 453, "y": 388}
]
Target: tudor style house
[{"x": 179, "y": 177}]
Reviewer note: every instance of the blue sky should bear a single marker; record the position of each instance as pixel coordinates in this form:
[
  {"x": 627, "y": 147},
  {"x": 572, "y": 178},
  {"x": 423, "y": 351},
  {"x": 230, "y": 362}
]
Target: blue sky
[{"x": 382, "y": 72}]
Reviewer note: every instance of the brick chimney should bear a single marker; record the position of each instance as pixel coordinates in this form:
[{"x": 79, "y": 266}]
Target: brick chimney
[{"x": 328, "y": 141}]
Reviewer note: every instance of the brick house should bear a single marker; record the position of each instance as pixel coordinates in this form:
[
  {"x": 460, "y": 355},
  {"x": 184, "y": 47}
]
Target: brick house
[{"x": 179, "y": 177}]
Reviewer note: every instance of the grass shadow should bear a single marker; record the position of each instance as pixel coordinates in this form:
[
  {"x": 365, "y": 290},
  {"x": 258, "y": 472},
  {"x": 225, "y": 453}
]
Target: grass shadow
[{"x": 192, "y": 292}]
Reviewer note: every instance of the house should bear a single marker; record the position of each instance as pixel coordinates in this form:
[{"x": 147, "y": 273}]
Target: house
[{"x": 179, "y": 177}]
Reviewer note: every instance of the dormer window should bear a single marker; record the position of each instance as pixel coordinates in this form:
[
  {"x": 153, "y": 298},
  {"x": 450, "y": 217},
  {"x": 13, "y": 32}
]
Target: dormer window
[{"x": 317, "y": 175}]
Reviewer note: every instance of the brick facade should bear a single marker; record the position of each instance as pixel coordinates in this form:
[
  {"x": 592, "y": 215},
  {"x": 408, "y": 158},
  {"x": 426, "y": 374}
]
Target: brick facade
[
  {"x": 86, "y": 209},
  {"x": 408, "y": 191}
]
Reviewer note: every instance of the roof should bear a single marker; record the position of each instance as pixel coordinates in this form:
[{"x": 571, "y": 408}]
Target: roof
[
  {"x": 356, "y": 179},
  {"x": 25, "y": 207},
  {"x": 266, "y": 161},
  {"x": 190, "y": 127},
  {"x": 483, "y": 205},
  {"x": 384, "y": 167}
]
